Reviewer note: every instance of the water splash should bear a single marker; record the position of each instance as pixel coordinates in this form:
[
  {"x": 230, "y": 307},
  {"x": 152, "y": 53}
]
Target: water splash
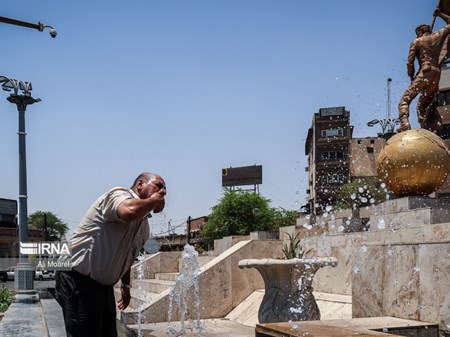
[
  {"x": 140, "y": 274},
  {"x": 381, "y": 224},
  {"x": 185, "y": 295}
]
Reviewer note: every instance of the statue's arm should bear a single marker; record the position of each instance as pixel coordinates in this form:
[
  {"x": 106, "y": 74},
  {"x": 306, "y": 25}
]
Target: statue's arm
[
  {"x": 443, "y": 16},
  {"x": 411, "y": 58}
]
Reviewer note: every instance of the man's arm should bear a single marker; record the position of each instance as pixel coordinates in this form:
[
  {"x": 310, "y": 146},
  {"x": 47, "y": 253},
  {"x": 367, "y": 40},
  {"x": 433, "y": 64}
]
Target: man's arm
[
  {"x": 126, "y": 277},
  {"x": 125, "y": 291},
  {"x": 136, "y": 209}
]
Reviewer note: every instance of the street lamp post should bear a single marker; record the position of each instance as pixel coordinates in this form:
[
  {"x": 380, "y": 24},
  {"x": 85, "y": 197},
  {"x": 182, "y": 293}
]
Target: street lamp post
[
  {"x": 24, "y": 275},
  {"x": 21, "y": 97},
  {"x": 39, "y": 26}
]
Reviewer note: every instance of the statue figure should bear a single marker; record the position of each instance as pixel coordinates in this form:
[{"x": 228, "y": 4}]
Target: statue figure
[{"x": 427, "y": 48}]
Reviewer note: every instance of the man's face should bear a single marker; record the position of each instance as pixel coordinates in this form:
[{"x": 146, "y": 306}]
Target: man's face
[{"x": 155, "y": 185}]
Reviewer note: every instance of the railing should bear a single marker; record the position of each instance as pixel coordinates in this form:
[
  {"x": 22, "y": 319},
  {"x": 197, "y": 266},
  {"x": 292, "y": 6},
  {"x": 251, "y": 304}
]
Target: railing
[
  {"x": 4, "y": 231},
  {"x": 32, "y": 233}
]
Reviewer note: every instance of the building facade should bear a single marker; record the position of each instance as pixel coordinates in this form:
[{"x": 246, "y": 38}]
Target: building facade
[
  {"x": 335, "y": 157},
  {"x": 9, "y": 231},
  {"x": 442, "y": 116},
  {"x": 327, "y": 147},
  {"x": 363, "y": 155}
]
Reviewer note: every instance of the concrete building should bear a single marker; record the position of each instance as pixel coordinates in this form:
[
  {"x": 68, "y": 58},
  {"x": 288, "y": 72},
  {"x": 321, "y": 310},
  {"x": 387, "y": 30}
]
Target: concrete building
[
  {"x": 335, "y": 158},
  {"x": 363, "y": 156},
  {"x": 442, "y": 115},
  {"x": 327, "y": 147},
  {"x": 9, "y": 231},
  {"x": 174, "y": 242}
]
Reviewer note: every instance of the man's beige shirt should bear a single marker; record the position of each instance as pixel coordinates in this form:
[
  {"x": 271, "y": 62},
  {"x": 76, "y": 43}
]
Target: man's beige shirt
[{"x": 103, "y": 246}]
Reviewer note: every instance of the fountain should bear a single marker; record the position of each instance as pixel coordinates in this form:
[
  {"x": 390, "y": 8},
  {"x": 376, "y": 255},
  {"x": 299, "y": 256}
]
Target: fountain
[
  {"x": 288, "y": 292},
  {"x": 185, "y": 295},
  {"x": 140, "y": 272}
]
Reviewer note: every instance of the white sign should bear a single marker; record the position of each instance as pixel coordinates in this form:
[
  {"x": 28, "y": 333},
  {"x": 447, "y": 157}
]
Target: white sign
[{"x": 44, "y": 248}]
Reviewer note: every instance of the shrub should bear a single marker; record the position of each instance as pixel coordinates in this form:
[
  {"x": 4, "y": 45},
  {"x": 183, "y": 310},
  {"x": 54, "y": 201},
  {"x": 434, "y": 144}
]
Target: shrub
[{"x": 6, "y": 298}]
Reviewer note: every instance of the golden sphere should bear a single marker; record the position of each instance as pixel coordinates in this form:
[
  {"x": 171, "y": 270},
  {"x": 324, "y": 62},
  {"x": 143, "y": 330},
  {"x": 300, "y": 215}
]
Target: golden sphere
[{"x": 413, "y": 162}]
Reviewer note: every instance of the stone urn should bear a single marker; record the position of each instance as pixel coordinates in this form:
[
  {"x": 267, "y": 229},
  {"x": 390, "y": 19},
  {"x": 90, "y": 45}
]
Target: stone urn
[{"x": 288, "y": 288}]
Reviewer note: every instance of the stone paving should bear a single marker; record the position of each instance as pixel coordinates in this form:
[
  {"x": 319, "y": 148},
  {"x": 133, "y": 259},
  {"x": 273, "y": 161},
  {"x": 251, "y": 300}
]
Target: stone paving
[
  {"x": 32, "y": 316},
  {"x": 24, "y": 320},
  {"x": 211, "y": 328}
]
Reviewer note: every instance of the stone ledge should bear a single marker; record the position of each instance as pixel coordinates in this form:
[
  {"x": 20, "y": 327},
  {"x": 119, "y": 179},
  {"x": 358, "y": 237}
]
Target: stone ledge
[
  {"x": 404, "y": 205},
  {"x": 362, "y": 327}
]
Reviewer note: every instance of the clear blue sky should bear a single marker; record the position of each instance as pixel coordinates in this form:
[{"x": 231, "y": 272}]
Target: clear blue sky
[{"x": 185, "y": 88}]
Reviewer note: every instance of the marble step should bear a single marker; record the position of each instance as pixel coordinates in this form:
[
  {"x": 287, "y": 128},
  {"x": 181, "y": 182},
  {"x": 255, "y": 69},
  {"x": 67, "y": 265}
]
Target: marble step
[
  {"x": 139, "y": 297},
  {"x": 167, "y": 276},
  {"x": 143, "y": 292},
  {"x": 152, "y": 285}
]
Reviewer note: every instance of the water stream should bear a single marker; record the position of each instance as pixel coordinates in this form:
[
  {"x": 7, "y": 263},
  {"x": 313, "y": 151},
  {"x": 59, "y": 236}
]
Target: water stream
[
  {"x": 185, "y": 297},
  {"x": 140, "y": 275}
]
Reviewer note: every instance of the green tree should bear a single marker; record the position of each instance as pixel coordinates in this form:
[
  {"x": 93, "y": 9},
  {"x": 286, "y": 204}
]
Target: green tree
[
  {"x": 365, "y": 191},
  {"x": 285, "y": 217},
  {"x": 55, "y": 226},
  {"x": 239, "y": 213}
]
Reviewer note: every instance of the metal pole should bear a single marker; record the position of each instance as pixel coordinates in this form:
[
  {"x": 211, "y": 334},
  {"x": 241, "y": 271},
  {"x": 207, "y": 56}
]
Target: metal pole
[
  {"x": 24, "y": 274},
  {"x": 15, "y": 22},
  {"x": 188, "y": 229},
  {"x": 389, "y": 80},
  {"x": 46, "y": 235},
  {"x": 23, "y": 196},
  {"x": 38, "y": 26}
]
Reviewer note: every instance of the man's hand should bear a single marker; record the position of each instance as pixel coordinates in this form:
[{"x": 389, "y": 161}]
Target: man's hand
[
  {"x": 159, "y": 200},
  {"x": 125, "y": 300}
]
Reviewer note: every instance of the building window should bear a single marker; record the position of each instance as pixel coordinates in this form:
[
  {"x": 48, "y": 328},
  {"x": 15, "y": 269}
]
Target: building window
[
  {"x": 332, "y": 155},
  {"x": 332, "y": 132},
  {"x": 444, "y": 133},
  {"x": 444, "y": 98},
  {"x": 369, "y": 149},
  {"x": 332, "y": 179}
]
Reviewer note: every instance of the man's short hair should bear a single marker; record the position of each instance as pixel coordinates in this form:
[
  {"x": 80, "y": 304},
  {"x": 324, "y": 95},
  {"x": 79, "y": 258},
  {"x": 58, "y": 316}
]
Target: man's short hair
[
  {"x": 145, "y": 176},
  {"x": 422, "y": 29}
]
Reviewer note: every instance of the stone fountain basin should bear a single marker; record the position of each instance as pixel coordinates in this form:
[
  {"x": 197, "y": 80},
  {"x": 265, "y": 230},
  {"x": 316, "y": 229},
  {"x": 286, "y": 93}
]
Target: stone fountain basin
[{"x": 288, "y": 291}]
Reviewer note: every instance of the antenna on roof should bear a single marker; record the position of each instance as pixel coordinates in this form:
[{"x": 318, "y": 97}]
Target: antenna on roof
[
  {"x": 389, "y": 80},
  {"x": 387, "y": 124}
]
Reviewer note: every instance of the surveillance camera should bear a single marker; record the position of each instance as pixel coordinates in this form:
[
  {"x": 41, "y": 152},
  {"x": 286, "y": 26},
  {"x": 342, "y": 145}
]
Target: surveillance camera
[{"x": 53, "y": 33}]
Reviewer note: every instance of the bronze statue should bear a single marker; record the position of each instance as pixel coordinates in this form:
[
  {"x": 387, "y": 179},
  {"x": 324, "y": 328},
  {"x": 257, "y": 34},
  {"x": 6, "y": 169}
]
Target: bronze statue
[{"x": 427, "y": 48}]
